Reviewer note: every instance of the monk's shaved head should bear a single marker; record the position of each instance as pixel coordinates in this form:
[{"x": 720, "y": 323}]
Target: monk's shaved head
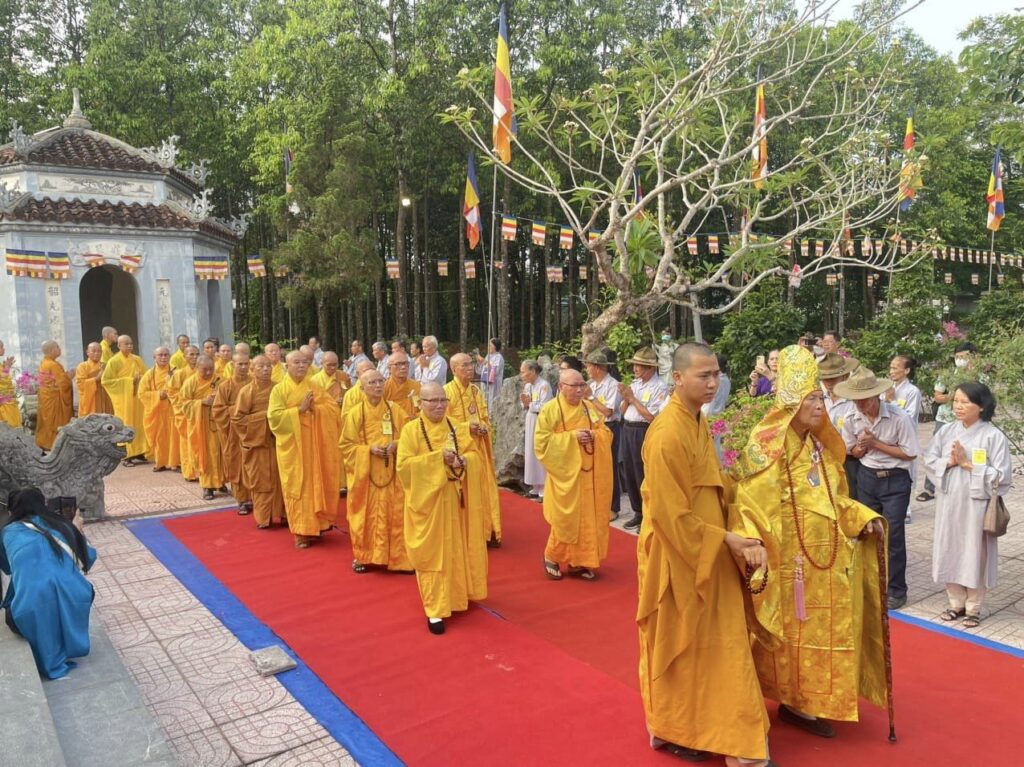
[
  {"x": 242, "y": 346},
  {"x": 462, "y": 367},
  {"x": 330, "y": 356},
  {"x": 125, "y": 344},
  {"x": 373, "y": 385},
  {"x": 685, "y": 355},
  {"x": 192, "y": 348},
  {"x": 93, "y": 351},
  {"x": 569, "y": 376},
  {"x": 570, "y": 384},
  {"x": 204, "y": 366},
  {"x": 363, "y": 366},
  {"x": 161, "y": 350},
  {"x": 433, "y": 401}
]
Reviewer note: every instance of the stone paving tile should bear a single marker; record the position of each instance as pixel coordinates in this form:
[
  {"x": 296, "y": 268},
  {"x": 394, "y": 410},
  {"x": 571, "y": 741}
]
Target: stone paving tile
[
  {"x": 185, "y": 622},
  {"x": 138, "y": 573},
  {"x": 204, "y": 644},
  {"x": 272, "y": 732},
  {"x": 106, "y": 587},
  {"x": 322, "y": 753},
  {"x": 210, "y": 671},
  {"x": 154, "y": 672},
  {"x": 242, "y": 697},
  {"x": 180, "y": 716},
  {"x": 160, "y": 596},
  {"x": 204, "y": 748}
]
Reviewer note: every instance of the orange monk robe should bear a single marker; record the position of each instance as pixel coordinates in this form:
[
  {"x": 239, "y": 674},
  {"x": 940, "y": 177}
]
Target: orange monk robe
[
  {"x": 119, "y": 381},
  {"x": 158, "y": 418},
  {"x": 9, "y": 411},
  {"x": 92, "y": 397},
  {"x": 259, "y": 453},
  {"x": 219, "y": 366},
  {"x": 203, "y": 436},
  {"x": 375, "y": 504},
  {"x": 697, "y": 677},
  {"x": 174, "y": 385},
  {"x": 576, "y": 497},
  {"x": 307, "y": 454},
  {"x": 444, "y": 515},
  {"x": 54, "y": 402},
  {"x": 229, "y": 372},
  {"x": 406, "y": 396},
  {"x": 230, "y": 444},
  {"x": 336, "y": 387},
  {"x": 468, "y": 405}
]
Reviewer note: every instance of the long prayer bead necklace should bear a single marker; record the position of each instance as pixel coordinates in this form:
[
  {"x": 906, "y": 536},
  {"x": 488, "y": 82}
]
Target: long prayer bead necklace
[
  {"x": 455, "y": 442},
  {"x": 588, "y": 448},
  {"x": 387, "y": 463},
  {"x": 833, "y": 529}
]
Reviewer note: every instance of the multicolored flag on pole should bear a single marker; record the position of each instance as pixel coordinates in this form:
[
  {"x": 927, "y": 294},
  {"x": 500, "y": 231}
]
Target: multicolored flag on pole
[
  {"x": 471, "y": 205},
  {"x": 503, "y": 111},
  {"x": 910, "y": 173},
  {"x": 759, "y": 151},
  {"x": 539, "y": 232},
  {"x": 996, "y": 205}
]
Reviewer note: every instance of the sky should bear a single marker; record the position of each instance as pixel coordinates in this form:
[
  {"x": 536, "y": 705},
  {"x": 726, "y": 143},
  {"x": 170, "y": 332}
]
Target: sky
[{"x": 939, "y": 22}]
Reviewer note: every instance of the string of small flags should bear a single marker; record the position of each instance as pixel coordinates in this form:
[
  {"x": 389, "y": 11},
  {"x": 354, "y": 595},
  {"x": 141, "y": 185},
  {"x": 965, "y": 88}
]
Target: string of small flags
[
  {"x": 210, "y": 267},
  {"x": 45, "y": 265}
]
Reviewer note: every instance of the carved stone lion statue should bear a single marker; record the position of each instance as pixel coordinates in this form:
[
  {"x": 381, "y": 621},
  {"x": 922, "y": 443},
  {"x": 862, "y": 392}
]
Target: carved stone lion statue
[{"x": 86, "y": 450}]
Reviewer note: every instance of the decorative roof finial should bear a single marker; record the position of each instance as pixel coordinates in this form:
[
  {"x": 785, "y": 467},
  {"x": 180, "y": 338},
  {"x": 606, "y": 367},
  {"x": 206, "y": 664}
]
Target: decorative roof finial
[{"x": 76, "y": 119}]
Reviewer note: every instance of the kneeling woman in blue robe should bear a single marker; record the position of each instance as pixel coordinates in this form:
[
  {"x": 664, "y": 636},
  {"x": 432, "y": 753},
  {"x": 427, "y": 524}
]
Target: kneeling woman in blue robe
[{"x": 49, "y": 599}]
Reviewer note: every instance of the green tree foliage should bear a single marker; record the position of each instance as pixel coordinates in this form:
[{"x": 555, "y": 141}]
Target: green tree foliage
[{"x": 764, "y": 322}]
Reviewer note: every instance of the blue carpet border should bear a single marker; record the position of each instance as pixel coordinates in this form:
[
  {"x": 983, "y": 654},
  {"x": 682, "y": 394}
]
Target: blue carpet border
[
  {"x": 989, "y": 644},
  {"x": 304, "y": 685}
]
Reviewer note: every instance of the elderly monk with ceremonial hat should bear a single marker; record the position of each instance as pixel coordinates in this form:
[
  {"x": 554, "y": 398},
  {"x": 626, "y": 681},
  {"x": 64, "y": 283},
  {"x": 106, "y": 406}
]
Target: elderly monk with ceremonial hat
[{"x": 818, "y": 609}]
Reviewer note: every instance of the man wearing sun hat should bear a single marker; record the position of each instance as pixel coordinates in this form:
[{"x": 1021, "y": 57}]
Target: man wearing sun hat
[
  {"x": 641, "y": 401},
  {"x": 883, "y": 438},
  {"x": 834, "y": 369}
]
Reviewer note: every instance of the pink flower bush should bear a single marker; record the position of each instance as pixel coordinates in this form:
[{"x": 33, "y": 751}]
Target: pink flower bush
[
  {"x": 28, "y": 383},
  {"x": 729, "y": 458},
  {"x": 719, "y": 427}
]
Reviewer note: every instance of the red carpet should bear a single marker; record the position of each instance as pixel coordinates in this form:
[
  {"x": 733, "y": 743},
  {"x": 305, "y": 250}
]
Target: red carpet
[{"x": 555, "y": 681}]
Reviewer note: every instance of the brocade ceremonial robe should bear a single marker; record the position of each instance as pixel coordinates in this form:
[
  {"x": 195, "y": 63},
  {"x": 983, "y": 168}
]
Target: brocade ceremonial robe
[
  {"x": 54, "y": 402},
  {"x": 406, "y": 395},
  {"x": 92, "y": 397},
  {"x": 307, "y": 455},
  {"x": 158, "y": 418},
  {"x": 119, "y": 381},
  {"x": 820, "y": 665},
  {"x": 444, "y": 515},
  {"x": 576, "y": 497},
  {"x": 174, "y": 385},
  {"x": 259, "y": 452},
  {"x": 9, "y": 411},
  {"x": 375, "y": 504},
  {"x": 697, "y": 677},
  {"x": 467, "y": 404},
  {"x": 203, "y": 436},
  {"x": 230, "y": 443},
  {"x": 336, "y": 387}
]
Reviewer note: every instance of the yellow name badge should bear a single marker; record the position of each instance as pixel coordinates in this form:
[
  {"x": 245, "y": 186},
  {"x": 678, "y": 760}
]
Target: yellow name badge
[
  {"x": 901, "y": 402},
  {"x": 534, "y": 396},
  {"x": 385, "y": 427},
  {"x": 979, "y": 456},
  {"x": 645, "y": 397},
  {"x": 600, "y": 398},
  {"x": 839, "y": 422}
]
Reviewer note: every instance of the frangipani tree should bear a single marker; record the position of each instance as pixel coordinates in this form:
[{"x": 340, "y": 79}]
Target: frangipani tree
[{"x": 677, "y": 114}]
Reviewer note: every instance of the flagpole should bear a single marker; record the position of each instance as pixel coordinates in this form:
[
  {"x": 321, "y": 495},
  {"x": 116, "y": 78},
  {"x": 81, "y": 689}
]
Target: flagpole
[
  {"x": 991, "y": 257},
  {"x": 490, "y": 277}
]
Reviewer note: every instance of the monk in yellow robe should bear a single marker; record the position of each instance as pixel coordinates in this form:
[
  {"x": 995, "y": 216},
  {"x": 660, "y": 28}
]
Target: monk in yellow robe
[
  {"x": 174, "y": 386},
  {"x": 197, "y": 396},
  {"x": 121, "y": 376},
  {"x": 224, "y": 355},
  {"x": 229, "y": 369},
  {"x": 399, "y": 388},
  {"x": 230, "y": 442},
  {"x": 158, "y": 414},
  {"x": 108, "y": 344},
  {"x": 9, "y": 411},
  {"x": 304, "y": 420},
  {"x": 468, "y": 405},
  {"x": 336, "y": 383},
  {"x": 375, "y": 505},
  {"x": 570, "y": 440},
  {"x": 818, "y": 619},
  {"x": 355, "y": 394},
  {"x": 259, "y": 452},
  {"x": 54, "y": 399},
  {"x": 92, "y": 397},
  {"x": 308, "y": 351},
  {"x": 210, "y": 346},
  {"x": 443, "y": 475},
  {"x": 277, "y": 370},
  {"x": 178, "y": 358},
  {"x": 697, "y": 678}
]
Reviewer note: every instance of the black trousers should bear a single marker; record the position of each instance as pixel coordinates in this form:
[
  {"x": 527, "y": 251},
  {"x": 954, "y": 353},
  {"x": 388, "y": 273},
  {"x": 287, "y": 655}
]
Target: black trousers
[
  {"x": 631, "y": 443},
  {"x": 890, "y": 497},
  {"x": 615, "y": 427},
  {"x": 852, "y": 469}
]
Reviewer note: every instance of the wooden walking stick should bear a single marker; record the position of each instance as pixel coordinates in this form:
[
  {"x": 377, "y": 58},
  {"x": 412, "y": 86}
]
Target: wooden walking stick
[{"x": 886, "y": 644}]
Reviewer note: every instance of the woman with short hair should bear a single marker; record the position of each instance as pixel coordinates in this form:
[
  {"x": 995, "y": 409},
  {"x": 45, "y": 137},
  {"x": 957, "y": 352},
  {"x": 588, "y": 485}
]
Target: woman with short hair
[{"x": 970, "y": 459}]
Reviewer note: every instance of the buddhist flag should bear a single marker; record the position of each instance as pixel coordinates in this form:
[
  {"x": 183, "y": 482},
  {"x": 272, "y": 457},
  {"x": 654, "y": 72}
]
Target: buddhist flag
[
  {"x": 470, "y": 269},
  {"x": 539, "y": 233},
  {"x": 565, "y": 238},
  {"x": 442, "y": 267},
  {"x": 471, "y": 205},
  {"x": 288, "y": 158},
  {"x": 256, "y": 266},
  {"x": 60, "y": 266},
  {"x": 593, "y": 234},
  {"x": 713, "y": 243},
  {"x": 910, "y": 173},
  {"x": 394, "y": 271},
  {"x": 691, "y": 245},
  {"x": 503, "y": 112},
  {"x": 996, "y": 206},
  {"x": 759, "y": 152},
  {"x": 508, "y": 227}
]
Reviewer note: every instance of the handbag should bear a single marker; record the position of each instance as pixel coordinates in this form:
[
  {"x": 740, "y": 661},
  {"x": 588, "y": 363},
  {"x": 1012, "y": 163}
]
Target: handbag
[{"x": 997, "y": 518}]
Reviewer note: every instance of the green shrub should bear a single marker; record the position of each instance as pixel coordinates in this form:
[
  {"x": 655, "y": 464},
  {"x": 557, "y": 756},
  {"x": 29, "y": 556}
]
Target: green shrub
[{"x": 765, "y": 322}]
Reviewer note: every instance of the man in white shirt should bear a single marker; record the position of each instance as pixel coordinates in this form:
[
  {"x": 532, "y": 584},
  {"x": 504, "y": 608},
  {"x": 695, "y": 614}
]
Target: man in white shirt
[
  {"x": 380, "y": 357},
  {"x": 906, "y": 397},
  {"x": 431, "y": 367},
  {"x": 318, "y": 352},
  {"x": 642, "y": 400},
  {"x": 355, "y": 359},
  {"x": 834, "y": 369},
  {"x": 604, "y": 396}
]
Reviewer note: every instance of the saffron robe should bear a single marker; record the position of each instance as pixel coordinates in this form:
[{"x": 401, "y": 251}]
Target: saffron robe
[
  {"x": 230, "y": 444},
  {"x": 468, "y": 405},
  {"x": 92, "y": 397},
  {"x": 119, "y": 381},
  {"x": 9, "y": 411},
  {"x": 178, "y": 361},
  {"x": 405, "y": 395},
  {"x": 48, "y": 597},
  {"x": 158, "y": 418},
  {"x": 107, "y": 350},
  {"x": 229, "y": 372},
  {"x": 697, "y": 677},
  {"x": 278, "y": 373},
  {"x": 821, "y": 665},
  {"x": 54, "y": 402},
  {"x": 178, "y": 380},
  {"x": 336, "y": 387},
  {"x": 203, "y": 435},
  {"x": 259, "y": 452},
  {"x": 352, "y": 397},
  {"x": 375, "y": 504},
  {"x": 576, "y": 497},
  {"x": 219, "y": 366},
  {"x": 307, "y": 454},
  {"x": 444, "y": 515}
]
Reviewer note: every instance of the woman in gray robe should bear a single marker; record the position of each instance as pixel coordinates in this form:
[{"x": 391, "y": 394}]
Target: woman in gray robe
[
  {"x": 970, "y": 459},
  {"x": 536, "y": 392}
]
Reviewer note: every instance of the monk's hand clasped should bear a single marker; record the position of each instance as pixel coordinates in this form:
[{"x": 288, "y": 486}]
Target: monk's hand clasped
[
  {"x": 750, "y": 550},
  {"x": 208, "y": 401},
  {"x": 307, "y": 403},
  {"x": 874, "y": 527},
  {"x": 584, "y": 436}
]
